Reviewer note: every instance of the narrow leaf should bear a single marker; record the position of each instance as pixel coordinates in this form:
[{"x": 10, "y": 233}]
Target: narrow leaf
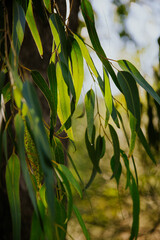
[
  {"x": 19, "y": 126},
  {"x": 116, "y": 150},
  {"x": 88, "y": 15},
  {"x": 66, "y": 185},
  {"x": 81, "y": 222},
  {"x": 145, "y": 145},
  {"x": 47, "y": 4},
  {"x": 133, "y": 123},
  {"x": 89, "y": 104},
  {"x": 136, "y": 209},
  {"x": 12, "y": 184},
  {"x": 130, "y": 91},
  {"x": 118, "y": 172},
  {"x": 127, "y": 66},
  {"x": 70, "y": 178},
  {"x": 33, "y": 28},
  {"x": 77, "y": 69},
  {"x": 108, "y": 94}
]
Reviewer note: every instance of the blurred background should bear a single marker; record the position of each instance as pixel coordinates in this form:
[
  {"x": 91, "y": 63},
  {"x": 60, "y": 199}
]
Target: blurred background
[{"x": 127, "y": 30}]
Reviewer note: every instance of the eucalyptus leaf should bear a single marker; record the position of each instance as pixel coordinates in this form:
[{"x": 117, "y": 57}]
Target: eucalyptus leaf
[
  {"x": 89, "y": 105},
  {"x": 12, "y": 184}
]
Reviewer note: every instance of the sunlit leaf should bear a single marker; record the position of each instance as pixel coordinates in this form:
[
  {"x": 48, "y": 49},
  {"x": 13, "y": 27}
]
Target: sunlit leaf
[
  {"x": 127, "y": 66},
  {"x": 77, "y": 69},
  {"x": 108, "y": 94},
  {"x": 12, "y": 184},
  {"x": 47, "y": 4},
  {"x": 81, "y": 222},
  {"x": 133, "y": 123},
  {"x": 6, "y": 91},
  {"x": 130, "y": 91},
  {"x": 89, "y": 105},
  {"x": 33, "y": 28}
]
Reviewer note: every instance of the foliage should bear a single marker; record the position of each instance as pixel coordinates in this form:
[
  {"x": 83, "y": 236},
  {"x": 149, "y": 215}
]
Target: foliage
[{"x": 36, "y": 147}]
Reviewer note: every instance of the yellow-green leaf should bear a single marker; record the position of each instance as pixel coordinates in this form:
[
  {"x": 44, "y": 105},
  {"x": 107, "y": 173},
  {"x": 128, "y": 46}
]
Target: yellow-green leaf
[{"x": 33, "y": 27}]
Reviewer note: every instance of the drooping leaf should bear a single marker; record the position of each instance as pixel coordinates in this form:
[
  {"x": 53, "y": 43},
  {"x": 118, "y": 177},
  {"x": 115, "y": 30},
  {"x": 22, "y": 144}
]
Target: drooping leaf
[
  {"x": 41, "y": 83},
  {"x": 70, "y": 178},
  {"x": 18, "y": 32},
  {"x": 19, "y": 126},
  {"x": 145, "y": 145},
  {"x": 33, "y": 28},
  {"x": 66, "y": 185},
  {"x": 100, "y": 147},
  {"x": 77, "y": 69},
  {"x": 58, "y": 150},
  {"x": 60, "y": 224},
  {"x": 114, "y": 115},
  {"x": 59, "y": 36},
  {"x": 92, "y": 152},
  {"x": 133, "y": 123},
  {"x": 130, "y": 91},
  {"x": 12, "y": 184},
  {"x": 47, "y": 4},
  {"x": 91, "y": 179},
  {"x": 136, "y": 208},
  {"x": 126, "y": 162},
  {"x": 116, "y": 148},
  {"x": 53, "y": 88},
  {"x": 88, "y": 15},
  {"x": 81, "y": 222},
  {"x": 127, "y": 66},
  {"x": 118, "y": 172},
  {"x": 108, "y": 94},
  {"x": 89, "y": 62},
  {"x": 89, "y": 105},
  {"x": 41, "y": 141}
]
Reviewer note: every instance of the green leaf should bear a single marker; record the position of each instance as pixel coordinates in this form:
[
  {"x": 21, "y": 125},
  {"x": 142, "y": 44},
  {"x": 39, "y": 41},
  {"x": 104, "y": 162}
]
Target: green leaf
[
  {"x": 67, "y": 188},
  {"x": 18, "y": 32},
  {"x": 89, "y": 20},
  {"x": 70, "y": 178},
  {"x": 77, "y": 69},
  {"x": 130, "y": 91},
  {"x": 127, "y": 66},
  {"x": 133, "y": 123},
  {"x": 114, "y": 115},
  {"x": 116, "y": 148},
  {"x": 118, "y": 172},
  {"x": 36, "y": 231},
  {"x": 47, "y": 4},
  {"x": 41, "y": 141},
  {"x": 41, "y": 83},
  {"x": 136, "y": 208},
  {"x": 89, "y": 61},
  {"x": 81, "y": 222},
  {"x": 59, "y": 35},
  {"x": 12, "y": 184},
  {"x": 6, "y": 91},
  {"x": 53, "y": 88},
  {"x": 19, "y": 126},
  {"x": 100, "y": 147},
  {"x": 126, "y": 162},
  {"x": 33, "y": 28},
  {"x": 89, "y": 105},
  {"x": 108, "y": 94},
  {"x": 86, "y": 55},
  {"x": 145, "y": 145},
  {"x": 92, "y": 152},
  {"x": 92, "y": 177},
  {"x": 58, "y": 150}
]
